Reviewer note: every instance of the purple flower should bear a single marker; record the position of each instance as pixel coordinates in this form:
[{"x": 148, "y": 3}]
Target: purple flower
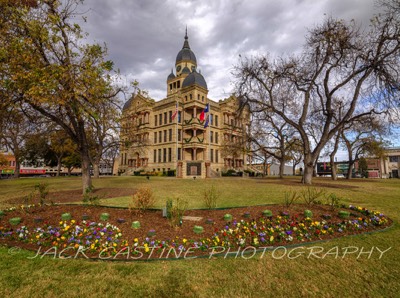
[{"x": 289, "y": 232}]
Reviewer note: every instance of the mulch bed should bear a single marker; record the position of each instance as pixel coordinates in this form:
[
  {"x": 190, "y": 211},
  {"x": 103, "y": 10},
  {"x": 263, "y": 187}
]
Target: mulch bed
[{"x": 153, "y": 220}]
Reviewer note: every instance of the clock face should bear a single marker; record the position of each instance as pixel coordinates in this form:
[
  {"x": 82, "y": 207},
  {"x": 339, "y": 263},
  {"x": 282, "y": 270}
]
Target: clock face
[{"x": 178, "y": 68}]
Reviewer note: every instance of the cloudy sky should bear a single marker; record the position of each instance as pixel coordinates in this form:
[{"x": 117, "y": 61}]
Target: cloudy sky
[{"x": 144, "y": 36}]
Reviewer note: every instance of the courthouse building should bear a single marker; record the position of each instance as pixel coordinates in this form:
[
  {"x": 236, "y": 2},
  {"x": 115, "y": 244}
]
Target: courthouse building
[{"x": 178, "y": 133}]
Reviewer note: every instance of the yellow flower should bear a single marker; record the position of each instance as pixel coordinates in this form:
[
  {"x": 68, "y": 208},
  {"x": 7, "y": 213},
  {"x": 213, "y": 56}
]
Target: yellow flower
[
  {"x": 271, "y": 238},
  {"x": 136, "y": 240},
  {"x": 184, "y": 240}
]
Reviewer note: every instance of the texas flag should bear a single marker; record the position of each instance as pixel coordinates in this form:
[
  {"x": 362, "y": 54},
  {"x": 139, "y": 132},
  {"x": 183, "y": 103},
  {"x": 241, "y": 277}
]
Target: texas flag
[
  {"x": 175, "y": 113},
  {"x": 203, "y": 113},
  {"x": 206, "y": 123}
]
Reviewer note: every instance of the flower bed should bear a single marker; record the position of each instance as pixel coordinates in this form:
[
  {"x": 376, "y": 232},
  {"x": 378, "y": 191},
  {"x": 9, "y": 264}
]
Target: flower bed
[{"x": 117, "y": 239}]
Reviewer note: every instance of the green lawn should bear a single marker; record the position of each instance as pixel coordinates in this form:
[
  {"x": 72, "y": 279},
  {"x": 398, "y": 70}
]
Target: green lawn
[{"x": 273, "y": 275}]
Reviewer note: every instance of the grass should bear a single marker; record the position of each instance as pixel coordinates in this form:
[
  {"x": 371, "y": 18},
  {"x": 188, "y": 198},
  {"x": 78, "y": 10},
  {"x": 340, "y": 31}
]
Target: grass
[{"x": 300, "y": 276}]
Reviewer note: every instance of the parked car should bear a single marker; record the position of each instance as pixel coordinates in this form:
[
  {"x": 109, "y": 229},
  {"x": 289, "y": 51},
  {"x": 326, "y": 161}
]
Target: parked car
[{"x": 340, "y": 176}]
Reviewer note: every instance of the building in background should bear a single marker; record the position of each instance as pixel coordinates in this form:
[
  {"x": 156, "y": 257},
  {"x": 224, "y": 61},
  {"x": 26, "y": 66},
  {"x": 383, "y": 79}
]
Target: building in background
[
  {"x": 185, "y": 134},
  {"x": 391, "y": 163}
]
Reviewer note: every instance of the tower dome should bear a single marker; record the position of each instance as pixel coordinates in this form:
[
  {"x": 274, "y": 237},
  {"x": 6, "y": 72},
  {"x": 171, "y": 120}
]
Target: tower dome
[
  {"x": 186, "y": 54},
  {"x": 194, "y": 78},
  {"x": 171, "y": 76}
]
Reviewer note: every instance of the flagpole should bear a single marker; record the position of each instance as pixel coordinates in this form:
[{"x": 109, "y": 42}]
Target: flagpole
[
  {"x": 209, "y": 133},
  {"x": 176, "y": 136}
]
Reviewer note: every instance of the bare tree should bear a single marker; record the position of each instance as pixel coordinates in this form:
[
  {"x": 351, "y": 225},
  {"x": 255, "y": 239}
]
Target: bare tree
[
  {"x": 272, "y": 138},
  {"x": 363, "y": 138},
  {"x": 339, "y": 62}
]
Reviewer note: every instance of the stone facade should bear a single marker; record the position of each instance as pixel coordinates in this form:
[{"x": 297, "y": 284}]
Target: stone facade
[
  {"x": 175, "y": 136},
  {"x": 391, "y": 163}
]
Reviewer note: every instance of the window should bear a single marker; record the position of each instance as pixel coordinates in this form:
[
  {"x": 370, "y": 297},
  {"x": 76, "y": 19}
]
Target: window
[
  {"x": 169, "y": 154},
  {"x": 165, "y": 118},
  {"x": 216, "y": 155},
  {"x": 170, "y": 116},
  {"x": 160, "y": 136},
  {"x": 165, "y": 155},
  {"x": 198, "y": 96},
  {"x": 211, "y": 119},
  {"x": 179, "y": 154},
  {"x": 190, "y": 96},
  {"x": 212, "y": 155},
  {"x": 155, "y": 137},
  {"x": 179, "y": 116},
  {"x": 393, "y": 158},
  {"x": 165, "y": 136},
  {"x": 211, "y": 137},
  {"x": 155, "y": 155},
  {"x": 160, "y": 118},
  {"x": 170, "y": 86},
  {"x": 216, "y": 137},
  {"x": 170, "y": 135},
  {"x": 179, "y": 135},
  {"x": 216, "y": 120},
  {"x": 155, "y": 120},
  {"x": 179, "y": 84},
  {"x": 159, "y": 155},
  {"x": 202, "y": 98},
  {"x": 185, "y": 97}
]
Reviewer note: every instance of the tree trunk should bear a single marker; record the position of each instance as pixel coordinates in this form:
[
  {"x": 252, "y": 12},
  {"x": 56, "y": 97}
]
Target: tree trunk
[
  {"x": 58, "y": 166},
  {"x": 86, "y": 178},
  {"x": 17, "y": 168},
  {"x": 350, "y": 170},
  {"x": 281, "y": 168},
  {"x": 333, "y": 167},
  {"x": 264, "y": 169},
  {"x": 112, "y": 166},
  {"x": 332, "y": 156},
  {"x": 308, "y": 174},
  {"x": 96, "y": 170},
  {"x": 294, "y": 169},
  {"x": 308, "y": 170},
  {"x": 351, "y": 165}
]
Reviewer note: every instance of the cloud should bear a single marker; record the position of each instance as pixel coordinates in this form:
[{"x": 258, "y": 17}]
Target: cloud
[{"x": 144, "y": 37}]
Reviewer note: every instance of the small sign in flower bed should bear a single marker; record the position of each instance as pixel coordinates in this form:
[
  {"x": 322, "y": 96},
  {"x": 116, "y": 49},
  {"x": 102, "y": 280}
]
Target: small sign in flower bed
[{"x": 149, "y": 235}]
